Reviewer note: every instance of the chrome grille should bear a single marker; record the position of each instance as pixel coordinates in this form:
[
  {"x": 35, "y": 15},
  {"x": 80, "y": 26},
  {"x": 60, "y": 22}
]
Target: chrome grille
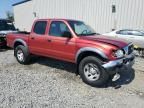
[{"x": 128, "y": 49}]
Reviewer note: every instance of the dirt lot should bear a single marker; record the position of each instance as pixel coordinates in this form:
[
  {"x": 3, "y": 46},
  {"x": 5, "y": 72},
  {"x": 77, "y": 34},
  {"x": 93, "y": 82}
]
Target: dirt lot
[{"x": 47, "y": 83}]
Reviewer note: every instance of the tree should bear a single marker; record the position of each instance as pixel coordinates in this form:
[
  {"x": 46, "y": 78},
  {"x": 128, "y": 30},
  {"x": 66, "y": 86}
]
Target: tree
[{"x": 10, "y": 15}]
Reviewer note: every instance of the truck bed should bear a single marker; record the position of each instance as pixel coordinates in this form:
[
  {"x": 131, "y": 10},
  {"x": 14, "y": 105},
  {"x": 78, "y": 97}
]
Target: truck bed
[
  {"x": 19, "y": 35},
  {"x": 22, "y": 32}
]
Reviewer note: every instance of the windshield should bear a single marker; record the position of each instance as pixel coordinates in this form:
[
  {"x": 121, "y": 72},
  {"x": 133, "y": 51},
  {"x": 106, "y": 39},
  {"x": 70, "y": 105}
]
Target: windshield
[
  {"x": 81, "y": 29},
  {"x": 4, "y": 25}
]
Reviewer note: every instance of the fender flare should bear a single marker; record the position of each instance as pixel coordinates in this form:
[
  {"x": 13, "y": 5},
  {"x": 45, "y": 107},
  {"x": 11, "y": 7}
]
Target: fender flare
[
  {"x": 21, "y": 41},
  {"x": 90, "y": 49}
]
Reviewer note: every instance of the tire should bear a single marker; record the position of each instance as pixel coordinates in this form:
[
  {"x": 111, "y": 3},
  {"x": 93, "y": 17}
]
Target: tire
[
  {"x": 22, "y": 55},
  {"x": 92, "y": 73}
]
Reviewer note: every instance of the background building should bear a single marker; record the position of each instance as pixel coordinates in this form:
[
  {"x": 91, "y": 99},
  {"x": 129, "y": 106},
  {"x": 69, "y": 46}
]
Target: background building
[{"x": 102, "y": 15}]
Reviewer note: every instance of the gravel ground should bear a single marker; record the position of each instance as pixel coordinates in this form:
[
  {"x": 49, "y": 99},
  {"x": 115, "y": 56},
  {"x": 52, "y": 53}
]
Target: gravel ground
[{"x": 48, "y": 83}]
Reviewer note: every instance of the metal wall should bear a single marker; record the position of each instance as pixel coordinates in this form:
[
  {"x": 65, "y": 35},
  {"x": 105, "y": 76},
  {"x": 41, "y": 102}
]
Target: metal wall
[
  {"x": 97, "y": 13},
  {"x": 23, "y": 15},
  {"x": 130, "y": 14}
]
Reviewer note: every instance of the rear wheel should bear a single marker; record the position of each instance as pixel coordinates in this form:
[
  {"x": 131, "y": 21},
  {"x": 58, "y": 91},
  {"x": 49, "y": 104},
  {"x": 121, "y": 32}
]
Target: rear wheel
[
  {"x": 92, "y": 72},
  {"x": 22, "y": 55}
]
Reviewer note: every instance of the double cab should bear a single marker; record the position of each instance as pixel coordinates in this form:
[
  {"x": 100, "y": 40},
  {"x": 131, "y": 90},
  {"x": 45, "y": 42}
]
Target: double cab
[{"x": 96, "y": 57}]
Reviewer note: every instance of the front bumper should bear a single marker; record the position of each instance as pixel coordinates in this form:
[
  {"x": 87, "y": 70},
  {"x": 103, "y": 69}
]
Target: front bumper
[{"x": 115, "y": 66}]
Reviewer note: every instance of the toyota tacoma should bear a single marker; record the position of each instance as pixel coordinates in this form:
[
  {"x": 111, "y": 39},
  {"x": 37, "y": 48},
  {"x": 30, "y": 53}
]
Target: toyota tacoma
[{"x": 97, "y": 57}]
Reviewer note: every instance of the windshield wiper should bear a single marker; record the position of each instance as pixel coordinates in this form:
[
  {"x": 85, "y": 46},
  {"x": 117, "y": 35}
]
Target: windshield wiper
[
  {"x": 92, "y": 34},
  {"x": 88, "y": 34}
]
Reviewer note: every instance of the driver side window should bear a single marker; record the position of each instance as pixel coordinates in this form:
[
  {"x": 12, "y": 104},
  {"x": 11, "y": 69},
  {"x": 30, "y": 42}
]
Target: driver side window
[{"x": 57, "y": 28}]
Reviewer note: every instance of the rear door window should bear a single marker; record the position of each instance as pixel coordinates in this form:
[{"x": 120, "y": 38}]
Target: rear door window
[{"x": 40, "y": 27}]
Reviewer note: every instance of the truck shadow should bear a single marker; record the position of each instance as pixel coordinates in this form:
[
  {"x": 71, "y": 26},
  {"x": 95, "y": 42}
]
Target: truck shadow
[
  {"x": 53, "y": 63},
  {"x": 127, "y": 76},
  {"x": 3, "y": 49}
]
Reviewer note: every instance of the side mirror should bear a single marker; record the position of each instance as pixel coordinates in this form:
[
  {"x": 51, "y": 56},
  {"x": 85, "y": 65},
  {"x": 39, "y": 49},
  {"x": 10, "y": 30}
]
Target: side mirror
[{"x": 67, "y": 34}]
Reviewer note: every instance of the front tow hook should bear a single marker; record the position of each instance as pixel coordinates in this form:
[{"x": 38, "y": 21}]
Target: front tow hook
[{"x": 116, "y": 77}]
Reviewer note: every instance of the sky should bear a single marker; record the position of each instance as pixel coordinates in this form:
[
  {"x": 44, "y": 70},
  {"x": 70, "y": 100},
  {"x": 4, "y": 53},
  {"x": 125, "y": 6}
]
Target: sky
[{"x": 6, "y": 5}]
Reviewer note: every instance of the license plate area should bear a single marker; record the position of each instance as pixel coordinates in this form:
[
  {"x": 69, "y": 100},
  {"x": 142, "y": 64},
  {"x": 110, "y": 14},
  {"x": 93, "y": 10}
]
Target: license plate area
[{"x": 128, "y": 60}]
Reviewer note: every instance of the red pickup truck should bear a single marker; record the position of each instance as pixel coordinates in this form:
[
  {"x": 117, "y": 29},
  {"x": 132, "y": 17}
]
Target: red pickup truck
[{"x": 96, "y": 57}]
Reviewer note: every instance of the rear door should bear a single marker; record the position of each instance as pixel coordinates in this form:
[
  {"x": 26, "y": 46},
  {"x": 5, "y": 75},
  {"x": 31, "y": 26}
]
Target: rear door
[{"x": 38, "y": 39}]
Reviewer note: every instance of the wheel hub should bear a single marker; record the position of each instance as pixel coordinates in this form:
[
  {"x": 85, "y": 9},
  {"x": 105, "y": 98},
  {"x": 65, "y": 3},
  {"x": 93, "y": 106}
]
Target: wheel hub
[
  {"x": 20, "y": 55},
  {"x": 91, "y": 72}
]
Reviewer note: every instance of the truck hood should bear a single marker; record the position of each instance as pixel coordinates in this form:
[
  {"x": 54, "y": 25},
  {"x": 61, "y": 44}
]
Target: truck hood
[{"x": 108, "y": 40}]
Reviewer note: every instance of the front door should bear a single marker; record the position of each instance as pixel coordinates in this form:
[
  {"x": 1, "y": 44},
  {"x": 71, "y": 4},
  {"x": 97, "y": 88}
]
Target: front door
[{"x": 61, "y": 46}]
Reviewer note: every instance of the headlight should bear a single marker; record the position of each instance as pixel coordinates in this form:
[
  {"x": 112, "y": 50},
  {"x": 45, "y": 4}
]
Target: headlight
[{"x": 119, "y": 54}]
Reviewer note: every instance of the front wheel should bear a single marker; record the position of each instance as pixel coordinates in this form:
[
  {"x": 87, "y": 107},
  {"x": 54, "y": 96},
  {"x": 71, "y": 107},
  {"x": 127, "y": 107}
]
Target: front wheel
[
  {"x": 22, "y": 54},
  {"x": 92, "y": 72}
]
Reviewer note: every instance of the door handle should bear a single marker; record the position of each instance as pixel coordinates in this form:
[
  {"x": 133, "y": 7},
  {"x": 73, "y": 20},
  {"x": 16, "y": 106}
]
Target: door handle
[
  {"x": 32, "y": 38},
  {"x": 49, "y": 40}
]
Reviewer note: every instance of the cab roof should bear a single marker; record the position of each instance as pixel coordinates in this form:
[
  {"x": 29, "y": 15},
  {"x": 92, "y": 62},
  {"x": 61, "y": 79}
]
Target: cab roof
[{"x": 57, "y": 19}]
